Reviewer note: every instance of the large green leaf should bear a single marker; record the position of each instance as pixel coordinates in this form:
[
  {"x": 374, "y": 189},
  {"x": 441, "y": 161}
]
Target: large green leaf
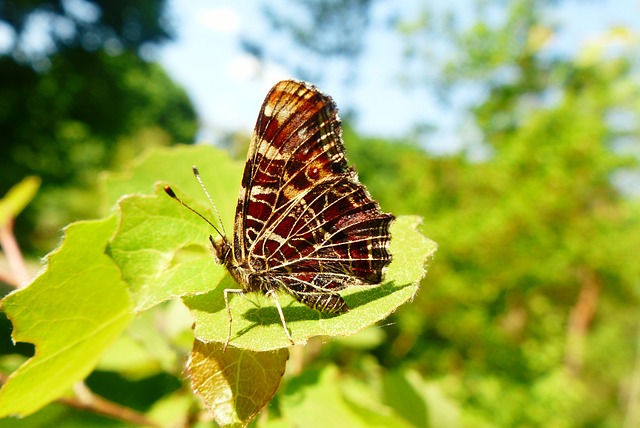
[
  {"x": 72, "y": 312},
  {"x": 164, "y": 252},
  {"x": 257, "y": 325}
]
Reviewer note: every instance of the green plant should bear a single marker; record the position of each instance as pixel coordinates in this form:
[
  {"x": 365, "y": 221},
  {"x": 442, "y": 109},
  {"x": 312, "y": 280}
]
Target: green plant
[{"x": 106, "y": 278}]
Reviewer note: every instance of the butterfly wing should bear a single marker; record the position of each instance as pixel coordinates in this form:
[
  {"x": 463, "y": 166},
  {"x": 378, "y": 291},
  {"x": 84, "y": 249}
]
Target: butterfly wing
[
  {"x": 303, "y": 220},
  {"x": 336, "y": 236}
]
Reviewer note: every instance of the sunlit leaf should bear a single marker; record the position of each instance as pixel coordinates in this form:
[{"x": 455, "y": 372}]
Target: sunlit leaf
[
  {"x": 315, "y": 399},
  {"x": 72, "y": 312},
  {"x": 257, "y": 325},
  {"x": 161, "y": 247},
  {"x": 235, "y": 384},
  {"x": 17, "y": 198},
  {"x": 162, "y": 256}
]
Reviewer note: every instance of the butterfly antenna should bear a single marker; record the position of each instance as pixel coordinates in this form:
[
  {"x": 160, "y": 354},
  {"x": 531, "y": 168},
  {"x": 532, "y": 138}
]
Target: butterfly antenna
[
  {"x": 197, "y": 174},
  {"x": 169, "y": 191}
]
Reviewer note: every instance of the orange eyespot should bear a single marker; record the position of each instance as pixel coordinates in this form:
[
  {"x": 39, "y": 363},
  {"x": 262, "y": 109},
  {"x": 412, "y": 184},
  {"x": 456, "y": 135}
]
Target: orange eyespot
[{"x": 313, "y": 173}]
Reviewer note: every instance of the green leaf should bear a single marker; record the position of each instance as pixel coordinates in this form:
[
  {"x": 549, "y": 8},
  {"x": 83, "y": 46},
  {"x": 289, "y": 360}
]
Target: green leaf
[
  {"x": 257, "y": 325},
  {"x": 164, "y": 252},
  {"x": 235, "y": 384},
  {"x": 315, "y": 399},
  {"x": 161, "y": 247},
  {"x": 17, "y": 198},
  {"x": 162, "y": 255},
  {"x": 422, "y": 403},
  {"x": 72, "y": 312}
]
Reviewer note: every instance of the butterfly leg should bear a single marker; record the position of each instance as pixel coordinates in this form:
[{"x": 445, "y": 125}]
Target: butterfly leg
[
  {"x": 272, "y": 293},
  {"x": 226, "y": 302}
]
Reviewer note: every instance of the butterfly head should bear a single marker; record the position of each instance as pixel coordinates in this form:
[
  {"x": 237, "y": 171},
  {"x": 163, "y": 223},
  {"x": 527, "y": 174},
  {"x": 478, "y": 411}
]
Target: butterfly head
[{"x": 222, "y": 249}]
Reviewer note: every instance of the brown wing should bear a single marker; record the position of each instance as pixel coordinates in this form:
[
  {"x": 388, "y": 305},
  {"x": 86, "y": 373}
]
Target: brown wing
[
  {"x": 297, "y": 127},
  {"x": 306, "y": 222},
  {"x": 333, "y": 236}
]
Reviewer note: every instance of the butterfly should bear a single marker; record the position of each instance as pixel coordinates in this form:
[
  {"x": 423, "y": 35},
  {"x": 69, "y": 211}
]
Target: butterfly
[{"x": 304, "y": 224}]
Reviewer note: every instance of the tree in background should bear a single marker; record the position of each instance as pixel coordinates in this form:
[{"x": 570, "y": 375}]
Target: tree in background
[
  {"x": 83, "y": 99},
  {"x": 317, "y": 31}
]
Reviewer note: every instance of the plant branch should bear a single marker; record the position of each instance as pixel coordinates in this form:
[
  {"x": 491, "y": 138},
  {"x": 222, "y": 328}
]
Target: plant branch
[
  {"x": 581, "y": 316},
  {"x": 19, "y": 274},
  {"x": 86, "y": 400}
]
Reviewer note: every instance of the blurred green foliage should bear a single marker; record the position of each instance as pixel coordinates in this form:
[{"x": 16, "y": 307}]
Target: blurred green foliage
[
  {"x": 72, "y": 109},
  {"x": 533, "y": 301},
  {"x": 530, "y": 313}
]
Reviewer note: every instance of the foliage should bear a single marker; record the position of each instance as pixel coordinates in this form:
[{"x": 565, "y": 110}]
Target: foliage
[
  {"x": 67, "y": 111},
  {"x": 316, "y": 29},
  {"x": 70, "y": 324},
  {"x": 150, "y": 250},
  {"x": 90, "y": 25}
]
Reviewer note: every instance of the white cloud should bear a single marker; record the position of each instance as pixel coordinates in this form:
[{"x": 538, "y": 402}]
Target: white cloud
[
  {"x": 247, "y": 67},
  {"x": 222, "y": 19},
  {"x": 243, "y": 67}
]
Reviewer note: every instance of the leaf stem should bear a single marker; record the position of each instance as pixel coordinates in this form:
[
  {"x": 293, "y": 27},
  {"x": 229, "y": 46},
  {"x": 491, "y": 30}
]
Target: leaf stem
[
  {"x": 19, "y": 274},
  {"x": 86, "y": 400},
  {"x": 580, "y": 319}
]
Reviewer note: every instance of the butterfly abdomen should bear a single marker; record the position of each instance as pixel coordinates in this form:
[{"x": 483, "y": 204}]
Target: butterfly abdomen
[{"x": 328, "y": 303}]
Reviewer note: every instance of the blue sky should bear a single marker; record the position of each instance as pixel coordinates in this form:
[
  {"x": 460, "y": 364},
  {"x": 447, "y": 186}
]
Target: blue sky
[{"x": 228, "y": 86}]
